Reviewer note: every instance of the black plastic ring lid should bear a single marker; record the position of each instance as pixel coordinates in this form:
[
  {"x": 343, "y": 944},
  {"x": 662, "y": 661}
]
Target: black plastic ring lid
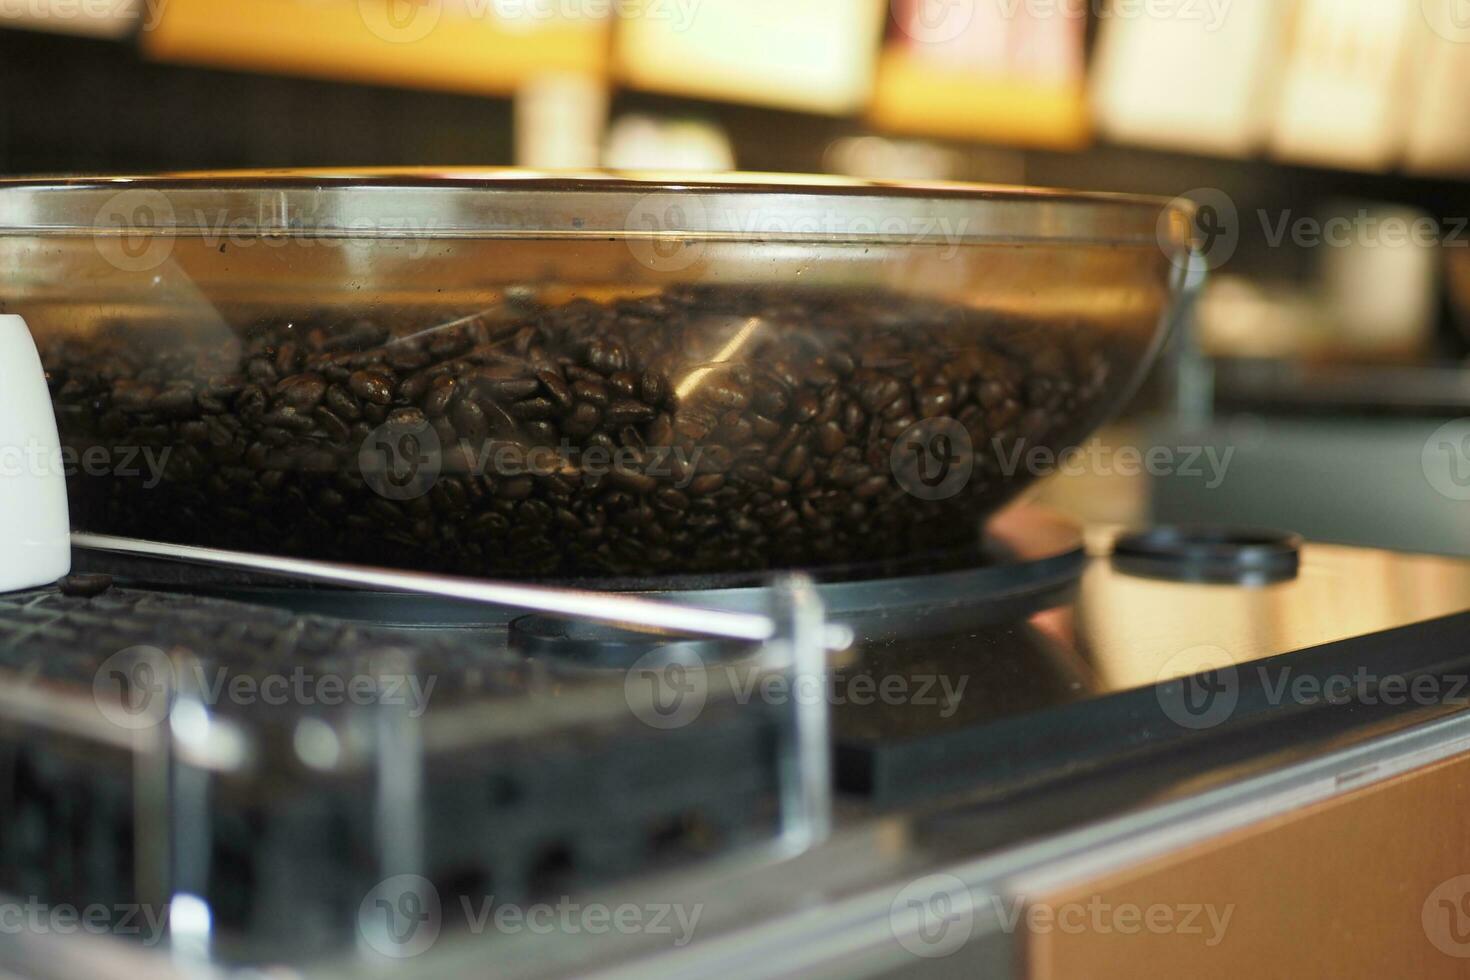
[{"x": 1210, "y": 554}]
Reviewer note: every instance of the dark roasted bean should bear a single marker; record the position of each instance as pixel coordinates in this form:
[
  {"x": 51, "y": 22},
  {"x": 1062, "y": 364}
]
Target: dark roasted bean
[
  {"x": 84, "y": 586},
  {"x": 517, "y": 488},
  {"x": 556, "y": 387},
  {"x": 627, "y": 411},
  {"x": 654, "y": 387},
  {"x": 373, "y": 386},
  {"x": 331, "y": 424},
  {"x": 606, "y": 356},
  {"x": 288, "y": 357},
  {"x": 624, "y": 383},
  {"x": 341, "y": 402},
  {"x": 778, "y": 459},
  {"x": 533, "y": 408},
  {"x": 303, "y": 391},
  {"x": 412, "y": 388},
  {"x": 176, "y": 402},
  {"x": 441, "y": 393},
  {"x": 591, "y": 391}
]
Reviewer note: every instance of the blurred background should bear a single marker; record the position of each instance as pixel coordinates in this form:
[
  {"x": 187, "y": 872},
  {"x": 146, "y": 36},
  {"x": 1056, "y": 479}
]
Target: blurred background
[{"x": 1328, "y": 142}]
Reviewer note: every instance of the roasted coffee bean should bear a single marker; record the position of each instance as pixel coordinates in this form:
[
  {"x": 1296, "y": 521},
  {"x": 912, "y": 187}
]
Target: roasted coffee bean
[
  {"x": 628, "y": 479},
  {"x": 626, "y": 411},
  {"x": 583, "y": 420},
  {"x": 797, "y": 460},
  {"x": 935, "y": 401},
  {"x": 879, "y": 393},
  {"x": 469, "y": 420},
  {"x": 534, "y": 408},
  {"x": 332, "y": 425},
  {"x": 175, "y": 402},
  {"x": 288, "y": 357},
  {"x": 412, "y": 388},
  {"x": 775, "y": 456},
  {"x": 341, "y": 402},
  {"x": 654, "y": 388},
  {"x": 706, "y": 484},
  {"x": 407, "y": 418},
  {"x": 591, "y": 391},
  {"x": 86, "y": 586},
  {"x": 288, "y": 417},
  {"x": 557, "y": 388},
  {"x": 605, "y": 356},
  {"x": 511, "y": 389},
  {"x": 441, "y": 393},
  {"x": 261, "y": 371},
  {"x": 624, "y": 383},
  {"x": 303, "y": 391},
  {"x": 518, "y": 488},
  {"x": 373, "y": 386}
]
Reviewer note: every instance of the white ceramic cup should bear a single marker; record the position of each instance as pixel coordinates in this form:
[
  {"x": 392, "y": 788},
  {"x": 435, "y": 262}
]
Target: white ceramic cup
[{"x": 35, "y": 529}]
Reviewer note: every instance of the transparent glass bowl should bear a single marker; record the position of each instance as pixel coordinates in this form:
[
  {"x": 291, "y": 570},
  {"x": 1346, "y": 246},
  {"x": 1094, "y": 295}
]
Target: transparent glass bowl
[{"x": 507, "y": 374}]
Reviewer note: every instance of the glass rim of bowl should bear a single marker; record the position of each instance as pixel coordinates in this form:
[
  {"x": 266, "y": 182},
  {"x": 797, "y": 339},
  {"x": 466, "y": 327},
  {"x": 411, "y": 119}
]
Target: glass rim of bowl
[{"x": 509, "y": 203}]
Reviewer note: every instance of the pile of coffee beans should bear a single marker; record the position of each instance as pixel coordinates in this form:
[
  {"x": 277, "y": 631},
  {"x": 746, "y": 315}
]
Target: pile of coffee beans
[{"x": 696, "y": 430}]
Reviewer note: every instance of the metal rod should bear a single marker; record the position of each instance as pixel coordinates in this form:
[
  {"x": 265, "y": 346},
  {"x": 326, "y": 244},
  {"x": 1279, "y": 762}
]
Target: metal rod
[
  {"x": 604, "y": 607},
  {"x": 806, "y": 763}
]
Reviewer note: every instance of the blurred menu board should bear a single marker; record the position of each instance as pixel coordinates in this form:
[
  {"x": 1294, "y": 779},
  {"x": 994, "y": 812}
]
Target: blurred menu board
[
  {"x": 1202, "y": 79},
  {"x": 483, "y": 46},
  {"x": 1004, "y": 71},
  {"x": 1346, "y": 85},
  {"x": 1439, "y": 112},
  {"x": 811, "y": 55}
]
